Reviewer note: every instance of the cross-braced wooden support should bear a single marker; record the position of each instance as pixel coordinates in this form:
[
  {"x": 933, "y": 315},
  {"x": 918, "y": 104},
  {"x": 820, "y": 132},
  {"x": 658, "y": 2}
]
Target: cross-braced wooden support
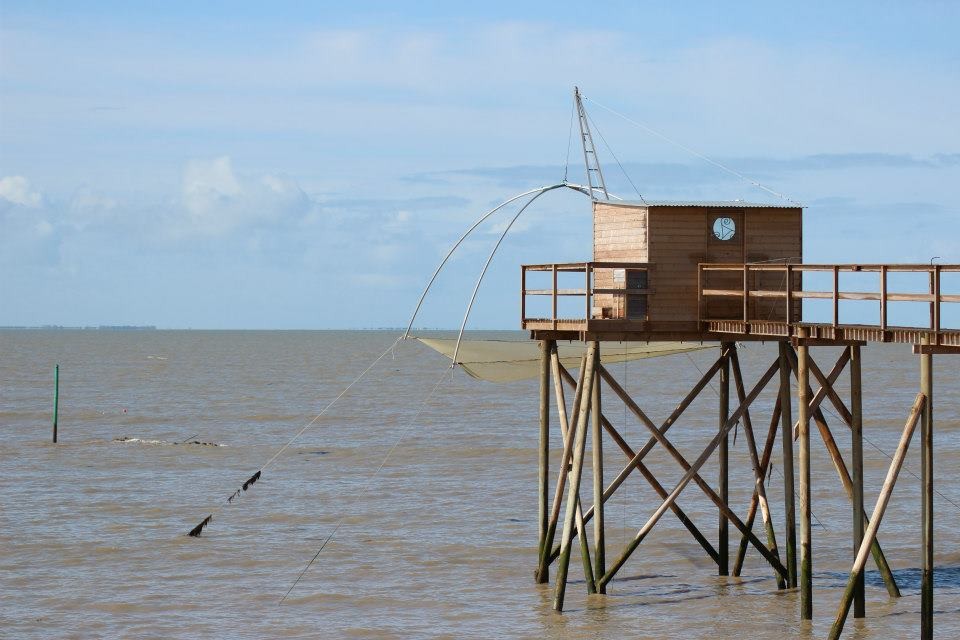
[
  {"x": 587, "y": 422},
  {"x": 587, "y": 406}
]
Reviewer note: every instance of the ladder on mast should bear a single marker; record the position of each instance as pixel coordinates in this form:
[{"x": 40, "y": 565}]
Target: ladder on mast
[{"x": 594, "y": 172}]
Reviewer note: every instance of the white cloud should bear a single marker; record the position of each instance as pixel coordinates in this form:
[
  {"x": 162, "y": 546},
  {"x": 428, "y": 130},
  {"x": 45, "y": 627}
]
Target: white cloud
[
  {"x": 216, "y": 200},
  {"x": 16, "y": 190}
]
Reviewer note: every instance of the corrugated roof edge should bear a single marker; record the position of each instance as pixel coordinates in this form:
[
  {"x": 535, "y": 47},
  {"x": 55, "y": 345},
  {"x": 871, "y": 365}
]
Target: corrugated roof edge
[{"x": 716, "y": 204}]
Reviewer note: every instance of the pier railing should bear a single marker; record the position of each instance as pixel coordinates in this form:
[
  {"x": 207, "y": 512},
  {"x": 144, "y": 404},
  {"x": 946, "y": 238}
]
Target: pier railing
[
  {"x": 789, "y": 290},
  {"x": 610, "y": 291}
]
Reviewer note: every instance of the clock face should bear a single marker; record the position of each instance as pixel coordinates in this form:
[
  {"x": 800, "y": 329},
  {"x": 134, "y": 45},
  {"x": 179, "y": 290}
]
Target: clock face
[{"x": 724, "y": 228}]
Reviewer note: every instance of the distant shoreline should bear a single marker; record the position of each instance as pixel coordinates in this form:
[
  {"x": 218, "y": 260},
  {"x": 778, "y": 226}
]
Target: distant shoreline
[{"x": 56, "y": 327}]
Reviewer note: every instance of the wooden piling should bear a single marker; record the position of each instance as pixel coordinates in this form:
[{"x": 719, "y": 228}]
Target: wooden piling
[
  {"x": 758, "y": 469},
  {"x": 856, "y": 461},
  {"x": 786, "y": 436},
  {"x": 574, "y": 476},
  {"x": 837, "y": 458},
  {"x": 546, "y": 555},
  {"x": 806, "y": 558},
  {"x": 56, "y": 399},
  {"x": 755, "y": 500},
  {"x": 691, "y": 475},
  {"x": 599, "y": 553},
  {"x": 543, "y": 469},
  {"x": 723, "y": 459},
  {"x": 926, "y": 490},
  {"x": 871, "y": 533}
]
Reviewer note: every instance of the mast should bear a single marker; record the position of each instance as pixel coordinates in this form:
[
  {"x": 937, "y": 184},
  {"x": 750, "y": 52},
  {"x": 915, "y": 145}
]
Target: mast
[{"x": 594, "y": 172}]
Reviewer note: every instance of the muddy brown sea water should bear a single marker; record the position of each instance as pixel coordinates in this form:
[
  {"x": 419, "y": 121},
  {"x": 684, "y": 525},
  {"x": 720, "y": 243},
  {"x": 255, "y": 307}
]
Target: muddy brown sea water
[{"x": 443, "y": 544}]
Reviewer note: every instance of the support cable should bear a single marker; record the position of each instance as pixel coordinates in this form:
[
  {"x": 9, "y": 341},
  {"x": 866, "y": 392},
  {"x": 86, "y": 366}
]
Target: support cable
[
  {"x": 369, "y": 482},
  {"x": 197, "y": 530},
  {"x": 693, "y": 152},
  {"x": 610, "y": 149}
]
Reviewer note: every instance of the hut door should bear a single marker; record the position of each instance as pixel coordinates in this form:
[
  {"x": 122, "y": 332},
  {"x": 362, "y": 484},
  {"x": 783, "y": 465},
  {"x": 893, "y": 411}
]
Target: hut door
[{"x": 725, "y": 244}]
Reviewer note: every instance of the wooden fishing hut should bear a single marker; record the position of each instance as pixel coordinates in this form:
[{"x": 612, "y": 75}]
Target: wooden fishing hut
[{"x": 723, "y": 272}]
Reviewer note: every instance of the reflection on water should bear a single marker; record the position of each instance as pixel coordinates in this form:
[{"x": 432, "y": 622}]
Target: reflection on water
[{"x": 93, "y": 529}]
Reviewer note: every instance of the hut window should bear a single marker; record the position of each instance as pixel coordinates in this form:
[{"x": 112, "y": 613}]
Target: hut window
[{"x": 724, "y": 228}]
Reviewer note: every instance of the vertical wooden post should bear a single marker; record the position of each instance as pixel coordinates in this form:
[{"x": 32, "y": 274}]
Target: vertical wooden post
[
  {"x": 786, "y": 437},
  {"x": 856, "y": 461},
  {"x": 883, "y": 298},
  {"x": 573, "y": 491},
  {"x": 544, "y": 457},
  {"x": 723, "y": 544},
  {"x": 553, "y": 305},
  {"x": 836, "y": 296},
  {"x": 870, "y": 536},
  {"x": 599, "y": 554},
  {"x": 789, "y": 292},
  {"x": 926, "y": 484},
  {"x": 523, "y": 294},
  {"x": 56, "y": 399},
  {"x": 746, "y": 295},
  {"x": 586, "y": 270},
  {"x": 806, "y": 560}
]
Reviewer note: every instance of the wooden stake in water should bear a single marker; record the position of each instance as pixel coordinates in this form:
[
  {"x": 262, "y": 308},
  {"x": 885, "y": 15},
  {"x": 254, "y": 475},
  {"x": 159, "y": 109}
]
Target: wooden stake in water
[{"x": 56, "y": 398}]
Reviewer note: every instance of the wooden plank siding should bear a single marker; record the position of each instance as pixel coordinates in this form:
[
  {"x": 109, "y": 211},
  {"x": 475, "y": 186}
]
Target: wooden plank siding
[
  {"x": 676, "y": 239},
  {"x": 619, "y": 234}
]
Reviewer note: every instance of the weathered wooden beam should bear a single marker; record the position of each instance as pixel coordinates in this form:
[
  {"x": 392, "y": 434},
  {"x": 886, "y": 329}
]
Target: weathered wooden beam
[
  {"x": 935, "y": 350},
  {"x": 691, "y": 474},
  {"x": 831, "y": 392},
  {"x": 754, "y": 500},
  {"x": 856, "y": 461},
  {"x": 806, "y": 558},
  {"x": 926, "y": 493},
  {"x": 635, "y": 463},
  {"x": 759, "y": 469},
  {"x": 786, "y": 437},
  {"x": 723, "y": 458},
  {"x": 599, "y": 553},
  {"x": 821, "y": 393},
  {"x": 651, "y": 443},
  {"x": 648, "y": 475},
  {"x": 567, "y": 434},
  {"x": 837, "y": 458},
  {"x": 882, "y": 501},
  {"x": 574, "y": 482},
  {"x": 543, "y": 467}
]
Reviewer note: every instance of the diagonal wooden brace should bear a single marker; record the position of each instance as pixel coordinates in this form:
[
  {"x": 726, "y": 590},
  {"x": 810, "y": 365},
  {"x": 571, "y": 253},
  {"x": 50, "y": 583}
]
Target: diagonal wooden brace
[
  {"x": 758, "y": 470},
  {"x": 754, "y": 500},
  {"x": 692, "y": 474},
  {"x": 837, "y": 458},
  {"x": 882, "y": 501},
  {"x": 650, "y": 478},
  {"x": 669, "y": 422}
]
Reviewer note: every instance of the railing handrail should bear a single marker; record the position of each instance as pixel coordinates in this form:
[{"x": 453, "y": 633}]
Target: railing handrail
[
  {"x": 853, "y": 268},
  {"x": 580, "y": 266},
  {"x": 787, "y": 290},
  {"x": 589, "y": 289}
]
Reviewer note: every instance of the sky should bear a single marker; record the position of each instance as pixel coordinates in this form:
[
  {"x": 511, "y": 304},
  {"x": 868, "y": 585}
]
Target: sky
[{"x": 306, "y": 165}]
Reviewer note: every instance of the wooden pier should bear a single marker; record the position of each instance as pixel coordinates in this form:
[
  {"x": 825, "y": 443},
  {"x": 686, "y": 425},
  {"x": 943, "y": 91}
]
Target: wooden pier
[{"x": 726, "y": 273}]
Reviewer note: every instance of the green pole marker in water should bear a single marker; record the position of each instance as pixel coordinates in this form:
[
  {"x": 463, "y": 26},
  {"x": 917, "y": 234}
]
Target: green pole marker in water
[{"x": 56, "y": 398}]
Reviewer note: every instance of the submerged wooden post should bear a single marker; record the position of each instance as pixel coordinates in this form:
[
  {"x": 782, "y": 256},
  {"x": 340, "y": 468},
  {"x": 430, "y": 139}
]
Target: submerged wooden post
[
  {"x": 926, "y": 492},
  {"x": 856, "y": 461},
  {"x": 723, "y": 458},
  {"x": 806, "y": 559},
  {"x": 56, "y": 399},
  {"x": 599, "y": 540},
  {"x": 573, "y": 493},
  {"x": 544, "y": 457},
  {"x": 760, "y": 491},
  {"x": 871, "y": 533},
  {"x": 786, "y": 436}
]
